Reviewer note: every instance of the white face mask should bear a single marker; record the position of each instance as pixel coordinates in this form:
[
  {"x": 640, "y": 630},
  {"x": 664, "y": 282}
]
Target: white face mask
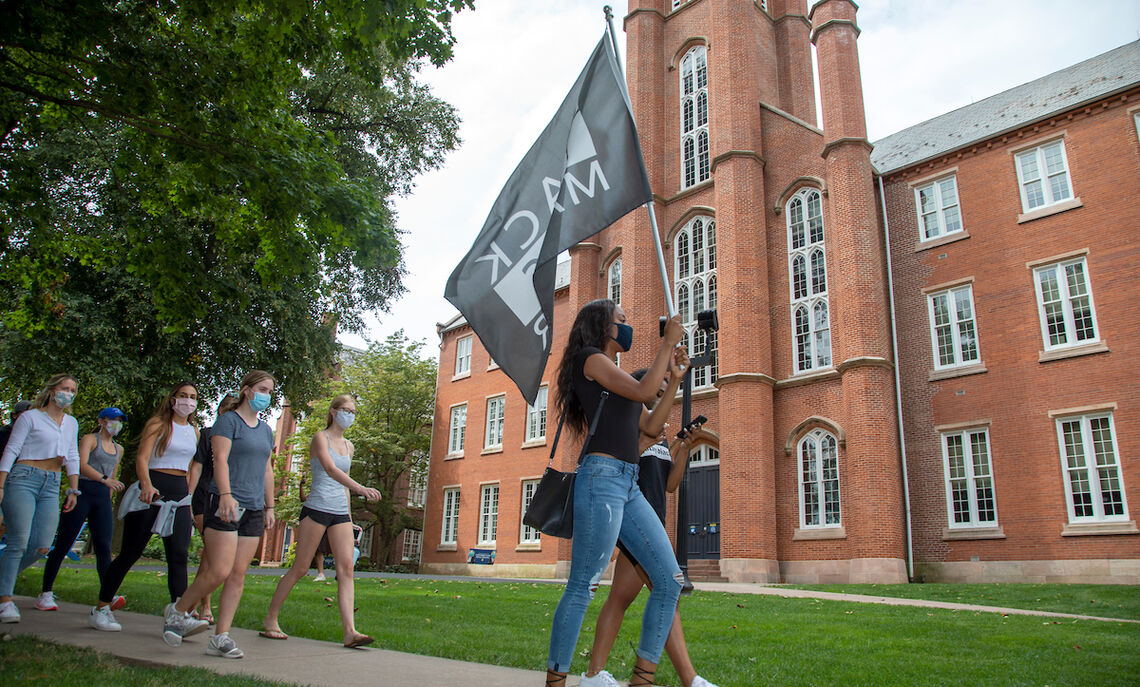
[
  {"x": 345, "y": 418},
  {"x": 114, "y": 427},
  {"x": 184, "y": 406},
  {"x": 63, "y": 398}
]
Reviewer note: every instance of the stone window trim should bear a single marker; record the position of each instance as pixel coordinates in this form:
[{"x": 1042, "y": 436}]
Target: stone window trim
[
  {"x": 1037, "y": 142},
  {"x": 819, "y": 533},
  {"x": 688, "y": 44},
  {"x": 947, "y": 285},
  {"x": 795, "y": 187},
  {"x": 959, "y": 426},
  {"x": 1060, "y": 257},
  {"x": 960, "y": 371},
  {"x": 604, "y": 266},
  {"x": 933, "y": 176},
  {"x": 683, "y": 222},
  {"x": 1048, "y": 210},
  {"x": 1086, "y": 529},
  {"x": 968, "y": 533},
  {"x": 814, "y": 422},
  {"x": 1073, "y": 352},
  {"x": 941, "y": 240},
  {"x": 1083, "y": 410}
]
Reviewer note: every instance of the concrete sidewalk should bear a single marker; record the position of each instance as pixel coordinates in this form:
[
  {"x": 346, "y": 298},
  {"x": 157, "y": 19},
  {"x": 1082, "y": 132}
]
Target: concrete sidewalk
[{"x": 295, "y": 661}]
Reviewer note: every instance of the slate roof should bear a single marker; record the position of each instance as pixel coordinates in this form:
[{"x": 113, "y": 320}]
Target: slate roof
[{"x": 1084, "y": 82}]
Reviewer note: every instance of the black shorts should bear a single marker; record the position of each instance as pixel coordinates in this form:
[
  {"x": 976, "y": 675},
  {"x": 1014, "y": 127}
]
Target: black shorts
[
  {"x": 198, "y": 501},
  {"x": 322, "y": 518},
  {"x": 251, "y": 523}
]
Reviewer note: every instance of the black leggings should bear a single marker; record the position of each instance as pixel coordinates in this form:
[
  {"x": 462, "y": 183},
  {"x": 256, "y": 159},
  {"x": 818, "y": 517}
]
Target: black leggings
[
  {"x": 93, "y": 506},
  {"x": 136, "y": 535}
]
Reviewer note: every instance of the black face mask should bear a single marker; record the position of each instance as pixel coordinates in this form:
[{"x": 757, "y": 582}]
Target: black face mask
[{"x": 624, "y": 336}]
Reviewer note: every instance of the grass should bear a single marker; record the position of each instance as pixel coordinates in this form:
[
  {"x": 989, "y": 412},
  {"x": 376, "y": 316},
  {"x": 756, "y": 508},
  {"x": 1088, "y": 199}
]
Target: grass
[
  {"x": 1103, "y": 600},
  {"x": 29, "y": 660},
  {"x": 734, "y": 639}
]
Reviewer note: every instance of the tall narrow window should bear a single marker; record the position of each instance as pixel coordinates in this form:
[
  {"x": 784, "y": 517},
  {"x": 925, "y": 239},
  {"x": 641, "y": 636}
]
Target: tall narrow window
[
  {"x": 952, "y": 329},
  {"x": 536, "y": 417},
  {"x": 458, "y": 430},
  {"x": 528, "y": 534},
  {"x": 450, "y": 530},
  {"x": 819, "y": 480},
  {"x": 413, "y": 545},
  {"x": 1094, "y": 487},
  {"x": 495, "y": 408},
  {"x": 615, "y": 280},
  {"x": 463, "y": 355},
  {"x": 1065, "y": 304},
  {"x": 1043, "y": 175},
  {"x": 969, "y": 478},
  {"x": 695, "y": 263},
  {"x": 488, "y": 513},
  {"x": 807, "y": 269},
  {"x": 938, "y": 211},
  {"x": 417, "y": 485},
  {"x": 694, "y": 117}
]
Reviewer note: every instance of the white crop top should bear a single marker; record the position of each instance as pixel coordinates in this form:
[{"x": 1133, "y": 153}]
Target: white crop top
[{"x": 179, "y": 452}]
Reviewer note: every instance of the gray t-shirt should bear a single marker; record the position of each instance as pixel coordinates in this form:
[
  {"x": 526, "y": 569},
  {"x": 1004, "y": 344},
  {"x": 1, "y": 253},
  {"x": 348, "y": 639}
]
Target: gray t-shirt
[{"x": 249, "y": 452}]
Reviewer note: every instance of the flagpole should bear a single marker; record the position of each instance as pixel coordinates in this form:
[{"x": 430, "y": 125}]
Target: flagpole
[{"x": 669, "y": 306}]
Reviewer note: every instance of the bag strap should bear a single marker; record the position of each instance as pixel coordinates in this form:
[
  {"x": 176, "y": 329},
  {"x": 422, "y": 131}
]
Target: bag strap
[{"x": 589, "y": 435}]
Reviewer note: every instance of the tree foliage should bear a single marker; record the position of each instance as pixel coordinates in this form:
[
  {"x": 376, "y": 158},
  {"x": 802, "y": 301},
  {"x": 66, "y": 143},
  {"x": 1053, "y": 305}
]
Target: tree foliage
[
  {"x": 394, "y": 386},
  {"x": 192, "y": 189}
]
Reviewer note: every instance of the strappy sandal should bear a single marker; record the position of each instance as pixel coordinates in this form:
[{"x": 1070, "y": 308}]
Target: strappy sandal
[
  {"x": 553, "y": 678},
  {"x": 358, "y": 641},
  {"x": 640, "y": 673}
]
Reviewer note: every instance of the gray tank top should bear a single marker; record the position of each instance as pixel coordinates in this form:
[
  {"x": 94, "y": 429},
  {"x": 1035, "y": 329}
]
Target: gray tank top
[
  {"x": 103, "y": 462},
  {"x": 325, "y": 493}
]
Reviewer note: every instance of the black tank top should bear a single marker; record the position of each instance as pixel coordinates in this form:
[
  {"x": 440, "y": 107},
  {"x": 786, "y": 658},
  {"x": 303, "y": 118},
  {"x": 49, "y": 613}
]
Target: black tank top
[{"x": 617, "y": 431}]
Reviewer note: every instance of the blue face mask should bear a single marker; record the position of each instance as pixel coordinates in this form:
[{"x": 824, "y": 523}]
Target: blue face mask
[
  {"x": 259, "y": 402},
  {"x": 345, "y": 418},
  {"x": 624, "y": 336}
]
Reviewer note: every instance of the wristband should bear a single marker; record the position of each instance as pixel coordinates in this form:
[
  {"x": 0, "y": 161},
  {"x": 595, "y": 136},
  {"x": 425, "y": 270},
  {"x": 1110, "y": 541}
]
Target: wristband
[{"x": 69, "y": 492}]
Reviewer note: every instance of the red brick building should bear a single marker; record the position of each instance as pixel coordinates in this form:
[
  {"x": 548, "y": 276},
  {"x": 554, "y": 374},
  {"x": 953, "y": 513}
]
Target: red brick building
[{"x": 1019, "y": 436}]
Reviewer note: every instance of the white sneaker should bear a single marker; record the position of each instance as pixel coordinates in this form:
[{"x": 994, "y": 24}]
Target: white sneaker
[
  {"x": 46, "y": 602},
  {"x": 602, "y": 679},
  {"x": 222, "y": 645},
  {"x": 103, "y": 619},
  {"x": 118, "y": 602},
  {"x": 9, "y": 613},
  {"x": 177, "y": 625},
  {"x": 699, "y": 681},
  {"x": 319, "y": 578}
]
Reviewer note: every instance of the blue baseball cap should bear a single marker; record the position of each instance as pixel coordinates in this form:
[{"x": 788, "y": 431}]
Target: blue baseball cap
[{"x": 112, "y": 414}]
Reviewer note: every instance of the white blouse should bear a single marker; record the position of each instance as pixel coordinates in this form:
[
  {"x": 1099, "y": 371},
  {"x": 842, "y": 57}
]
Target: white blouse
[{"x": 36, "y": 436}]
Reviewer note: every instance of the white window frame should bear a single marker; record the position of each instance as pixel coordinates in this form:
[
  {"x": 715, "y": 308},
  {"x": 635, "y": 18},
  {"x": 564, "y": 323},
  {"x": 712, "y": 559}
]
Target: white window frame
[
  {"x": 457, "y": 430},
  {"x": 413, "y": 546},
  {"x": 813, "y": 353},
  {"x": 941, "y": 211},
  {"x": 703, "y": 456},
  {"x": 975, "y": 484},
  {"x": 528, "y": 534},
  {"x": 695, "y": 165},
  {"x": 496, "y": 414},
  {"x": 1039, "y": 155},
  {"x": 463, "y": 347},
  {"x": 1096, "y": 486},
  {"x": 449, "y": 527},
  {"x": 1066, "y": 301},
  {"x": 488, "y": 514},
  {"x": 956, "y": 325},
  {"x": 816, "y": 438},
  {"x": 695, "y": 247},
  {"x": 417, "y": 487},
  {"x": 366, "y": 542},
  {"x": 614, "y": 281},
  {"x": 536, "y": 416}
]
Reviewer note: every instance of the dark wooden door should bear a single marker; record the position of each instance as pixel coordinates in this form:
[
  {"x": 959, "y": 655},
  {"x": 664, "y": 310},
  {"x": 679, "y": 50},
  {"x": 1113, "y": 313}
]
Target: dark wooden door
[{"x": 704, "y": 512}]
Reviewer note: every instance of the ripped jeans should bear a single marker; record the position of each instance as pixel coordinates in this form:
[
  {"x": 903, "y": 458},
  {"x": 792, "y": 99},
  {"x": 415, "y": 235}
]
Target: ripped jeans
[{"x": 608, "y": 503}]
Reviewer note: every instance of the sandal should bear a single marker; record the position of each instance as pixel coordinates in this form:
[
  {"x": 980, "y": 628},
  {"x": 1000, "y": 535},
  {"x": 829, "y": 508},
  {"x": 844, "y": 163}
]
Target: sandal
[
  {"x": 358, "y": 641},
  {"x": 273, "y": 634},
  {"x": 553, "y": 678},
  {"x": 209, "y": 619},
  {"x": 645, "y": 676}
]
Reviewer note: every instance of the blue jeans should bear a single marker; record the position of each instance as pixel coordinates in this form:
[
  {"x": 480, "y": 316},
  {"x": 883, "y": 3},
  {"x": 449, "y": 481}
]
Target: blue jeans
[
  {"x": 31, "y": 512},
  {"x": 608, "y": 504}
]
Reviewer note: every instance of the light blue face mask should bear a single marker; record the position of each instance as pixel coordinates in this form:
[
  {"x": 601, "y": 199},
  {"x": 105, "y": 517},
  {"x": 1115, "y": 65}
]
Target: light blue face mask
[
  {"x": 63, "y": 398},
  {"x": 345, "y": 418},
  {"x": 260, "y": 401}
]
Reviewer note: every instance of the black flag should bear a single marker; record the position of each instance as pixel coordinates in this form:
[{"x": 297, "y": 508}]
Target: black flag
[{"x": 582, "y": 174}]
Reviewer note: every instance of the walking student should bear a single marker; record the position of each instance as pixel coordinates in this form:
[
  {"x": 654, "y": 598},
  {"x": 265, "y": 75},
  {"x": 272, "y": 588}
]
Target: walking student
[
  {"x": 607, "y": 500},
  {"x": 660, "y": 471},
  {"x": 44, "y": 442},
  {"x": 99, "y": 457},
  {"x": 326, "y": 513},
  {"x": 158, "y": 503},
  {"x": 238, "y": 510},
  {"x": 201, "y": 473}
]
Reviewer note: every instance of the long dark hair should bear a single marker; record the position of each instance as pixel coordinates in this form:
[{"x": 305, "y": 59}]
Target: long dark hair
[{"x": 591, "y": 328}]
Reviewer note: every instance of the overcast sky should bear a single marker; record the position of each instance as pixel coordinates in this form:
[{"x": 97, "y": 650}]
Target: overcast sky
[{"x": 515, "y": 60}]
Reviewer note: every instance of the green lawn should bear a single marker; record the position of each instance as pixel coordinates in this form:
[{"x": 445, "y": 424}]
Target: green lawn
[
  {"x": 738, "y": 640},
  {"x": 29, "y": 660},
  {"x": 1102, "y": 600}
]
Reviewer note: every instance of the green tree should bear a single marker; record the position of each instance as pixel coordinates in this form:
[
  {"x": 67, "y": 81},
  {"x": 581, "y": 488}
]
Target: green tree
[
  {"x": 394, "y": 386},
  {"x": 192, "y": 189}
]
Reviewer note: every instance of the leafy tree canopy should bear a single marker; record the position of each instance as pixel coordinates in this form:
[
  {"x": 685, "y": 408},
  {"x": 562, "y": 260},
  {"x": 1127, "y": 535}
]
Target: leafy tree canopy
[
  {"x": 394, "y": 386},
  {"x": 192, "y": 189}
]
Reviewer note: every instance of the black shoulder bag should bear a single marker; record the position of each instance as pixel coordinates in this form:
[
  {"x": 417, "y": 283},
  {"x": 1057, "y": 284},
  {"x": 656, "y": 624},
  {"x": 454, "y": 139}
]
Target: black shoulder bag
[{"x": 551, "y": 509}]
